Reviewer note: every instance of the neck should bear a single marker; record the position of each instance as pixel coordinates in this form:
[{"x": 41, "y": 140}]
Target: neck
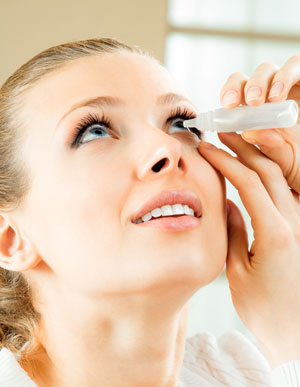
[{"x": 133, "y": 343}]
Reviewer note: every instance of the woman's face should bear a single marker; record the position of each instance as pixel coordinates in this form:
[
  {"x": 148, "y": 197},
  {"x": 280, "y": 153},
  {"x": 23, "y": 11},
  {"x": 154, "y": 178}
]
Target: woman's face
[{"x": 82, "y": 199}]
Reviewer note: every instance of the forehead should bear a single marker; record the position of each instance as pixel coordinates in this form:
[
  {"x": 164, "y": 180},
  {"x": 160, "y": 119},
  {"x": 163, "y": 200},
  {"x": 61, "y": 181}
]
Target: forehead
[{"x": 124, "y": 75}]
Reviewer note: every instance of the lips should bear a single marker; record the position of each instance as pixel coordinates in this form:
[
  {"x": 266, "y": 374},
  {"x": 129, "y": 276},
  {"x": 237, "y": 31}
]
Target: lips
[{"x": 170, "y": 197}]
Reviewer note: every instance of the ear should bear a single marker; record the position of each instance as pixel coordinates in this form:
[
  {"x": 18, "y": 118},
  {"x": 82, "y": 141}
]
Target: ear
[{"x": 16, "y": 251}]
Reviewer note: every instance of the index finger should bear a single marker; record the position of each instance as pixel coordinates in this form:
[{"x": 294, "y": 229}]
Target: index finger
[{"x": 256, "y": 199}]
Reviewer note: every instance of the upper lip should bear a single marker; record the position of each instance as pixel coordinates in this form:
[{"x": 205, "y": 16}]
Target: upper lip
[{"x": 170, "y": 197}]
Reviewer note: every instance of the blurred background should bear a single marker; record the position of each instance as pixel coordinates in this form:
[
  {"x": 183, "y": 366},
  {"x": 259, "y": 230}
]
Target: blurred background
[{"x": 201, "y": 42}]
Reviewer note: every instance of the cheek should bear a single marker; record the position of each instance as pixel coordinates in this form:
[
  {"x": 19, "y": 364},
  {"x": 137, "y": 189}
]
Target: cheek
[
  {"x": 76, "y": 226},
  {"x": 211, "y": 186},
  {"x": 213, "y": 194}
]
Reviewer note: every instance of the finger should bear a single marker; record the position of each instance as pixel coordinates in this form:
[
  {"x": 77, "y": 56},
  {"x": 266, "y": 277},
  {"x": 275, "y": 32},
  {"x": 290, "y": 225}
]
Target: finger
[
  {"x": 294, "y": 93},
  {"x": 285, "y": 79},
  {"x": 283, "y": 148},
  {"x": 250, "y": 188},
  {"x": 297, "y": 200},
  {"x": 273, "y": 145},
  {"x": 269, "y": 172},
  {"x": 237, "y": 255},
  {"x": 232, "y": 91},
  {"x": 257, "y": 87},
  {"x": 295, "y": 195}
]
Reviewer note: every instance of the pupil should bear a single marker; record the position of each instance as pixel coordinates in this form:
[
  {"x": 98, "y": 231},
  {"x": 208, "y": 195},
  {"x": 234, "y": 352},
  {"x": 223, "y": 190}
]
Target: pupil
[{"x": 98, "y": 130}]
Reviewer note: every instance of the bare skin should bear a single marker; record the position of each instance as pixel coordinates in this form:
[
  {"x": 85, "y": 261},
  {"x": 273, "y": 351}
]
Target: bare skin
[
  {"x": 112, "y": 295},
  {"x": 264, "y": 278},
  {"x": 113, "y": 309},
  {"x": 280, "y": 145}
]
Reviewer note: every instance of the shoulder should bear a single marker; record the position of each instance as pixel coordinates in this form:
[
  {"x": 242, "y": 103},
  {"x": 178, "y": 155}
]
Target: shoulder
[
  {"x": 231, "y": 359},
  {"x": 11, "y": 373}
]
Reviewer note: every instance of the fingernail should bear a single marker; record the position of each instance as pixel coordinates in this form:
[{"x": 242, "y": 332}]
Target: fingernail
[
  {"x": 207, "y": 145},
  {"x": 249, "y": 137},
  {"x": 276, "y": 89},
  {"x": 230, "y": 98},
  {"x": 253, "y": 93}
]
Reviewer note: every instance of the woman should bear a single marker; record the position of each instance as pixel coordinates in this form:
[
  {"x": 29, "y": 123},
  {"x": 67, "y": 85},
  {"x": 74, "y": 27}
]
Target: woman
[{"x": 94, "y": 291}]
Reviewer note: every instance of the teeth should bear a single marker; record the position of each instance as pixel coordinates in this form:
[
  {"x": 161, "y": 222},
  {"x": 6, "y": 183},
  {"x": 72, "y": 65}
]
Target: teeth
[
  {"x": 147, "y": 217},
  {"x": 188, "y": 210},
  {"x": 167, "y": 210},
  {"x": 156, "y": 213},
  {"x": 178, "y": 209}
]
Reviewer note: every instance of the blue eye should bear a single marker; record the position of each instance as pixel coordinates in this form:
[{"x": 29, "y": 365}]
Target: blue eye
[
  {"x": 176, "y": 121},
  {"x": 178, "y": 124},
  {"x": 94, "y": 130},
  {"x": 92, "y": 125}
]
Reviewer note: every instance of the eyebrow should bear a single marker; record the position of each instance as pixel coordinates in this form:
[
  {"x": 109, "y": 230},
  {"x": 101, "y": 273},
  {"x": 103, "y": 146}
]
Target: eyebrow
[{"x": 164, "y": 99}]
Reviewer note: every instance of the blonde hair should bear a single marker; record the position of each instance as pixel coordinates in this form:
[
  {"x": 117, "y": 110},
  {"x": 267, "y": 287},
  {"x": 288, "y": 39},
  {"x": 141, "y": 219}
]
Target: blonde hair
[{"x": 18, "y": 318}]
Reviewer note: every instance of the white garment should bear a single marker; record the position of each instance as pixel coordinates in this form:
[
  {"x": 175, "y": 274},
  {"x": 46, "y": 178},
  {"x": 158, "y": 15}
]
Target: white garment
[{"x": 231, "y": 360}]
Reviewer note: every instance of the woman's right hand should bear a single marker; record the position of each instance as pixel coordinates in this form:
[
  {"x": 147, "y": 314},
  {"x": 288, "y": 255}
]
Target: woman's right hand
[
  {"x": 280, "y": 145},
  {"x": 265, "y": 279}
]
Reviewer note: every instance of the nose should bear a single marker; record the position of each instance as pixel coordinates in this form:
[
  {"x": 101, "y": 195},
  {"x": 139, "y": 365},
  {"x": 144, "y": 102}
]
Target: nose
[{"x": 160, "y": 155}]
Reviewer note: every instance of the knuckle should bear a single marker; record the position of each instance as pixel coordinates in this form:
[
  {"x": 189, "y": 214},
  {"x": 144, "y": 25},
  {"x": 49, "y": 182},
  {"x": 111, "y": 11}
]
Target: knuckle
[
  {"x": 235, "y": 268},
  {"x": 295, "y": 58},
  {"x": 267, "y": 65},
  {"x": 270, "y": 170},
  {"x": 283, "y": 237},
  {"x": 252, "y": 179}
]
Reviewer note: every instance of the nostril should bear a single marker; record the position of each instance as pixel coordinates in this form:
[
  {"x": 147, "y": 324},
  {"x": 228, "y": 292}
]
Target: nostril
[
  {"x": 158, "y": 166},
  {"x": 180, "y": 163}
]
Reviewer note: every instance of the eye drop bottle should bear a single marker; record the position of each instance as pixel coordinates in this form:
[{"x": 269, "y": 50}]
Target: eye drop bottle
[{"x": 269, "y": 115}]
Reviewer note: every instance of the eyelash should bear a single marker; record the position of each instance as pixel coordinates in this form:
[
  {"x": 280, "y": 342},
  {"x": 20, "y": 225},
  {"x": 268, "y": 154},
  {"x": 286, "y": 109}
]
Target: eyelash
[{"x": 93, "y": 118}]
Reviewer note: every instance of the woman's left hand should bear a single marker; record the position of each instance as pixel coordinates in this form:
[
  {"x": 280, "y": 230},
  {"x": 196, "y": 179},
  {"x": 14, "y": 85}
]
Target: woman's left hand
[{"x": 280, "y": 145}]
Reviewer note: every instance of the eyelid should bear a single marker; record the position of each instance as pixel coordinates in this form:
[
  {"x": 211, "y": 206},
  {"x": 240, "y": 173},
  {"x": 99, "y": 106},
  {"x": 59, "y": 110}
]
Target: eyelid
[
  {"x": 178, "y": 112},
  {"x": 182, "y": 112}
]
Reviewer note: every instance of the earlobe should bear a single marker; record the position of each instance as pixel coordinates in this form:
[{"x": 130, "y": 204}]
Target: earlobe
[{"x": 16, "y": 253}]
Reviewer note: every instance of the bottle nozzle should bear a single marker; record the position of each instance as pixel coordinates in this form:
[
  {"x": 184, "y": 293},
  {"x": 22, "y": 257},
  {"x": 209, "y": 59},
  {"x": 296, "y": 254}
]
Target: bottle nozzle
[
  {"x": 190, "y": 123},
  {"x": 203, "y": 121}
]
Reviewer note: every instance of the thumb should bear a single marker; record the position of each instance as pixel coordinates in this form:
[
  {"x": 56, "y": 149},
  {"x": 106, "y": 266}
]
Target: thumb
[{"x": 237, "y": 255}]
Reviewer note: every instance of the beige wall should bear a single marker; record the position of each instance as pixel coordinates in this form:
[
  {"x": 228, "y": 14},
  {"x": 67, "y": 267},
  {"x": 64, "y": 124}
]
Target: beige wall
[{"x": 29, "y": 26}]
